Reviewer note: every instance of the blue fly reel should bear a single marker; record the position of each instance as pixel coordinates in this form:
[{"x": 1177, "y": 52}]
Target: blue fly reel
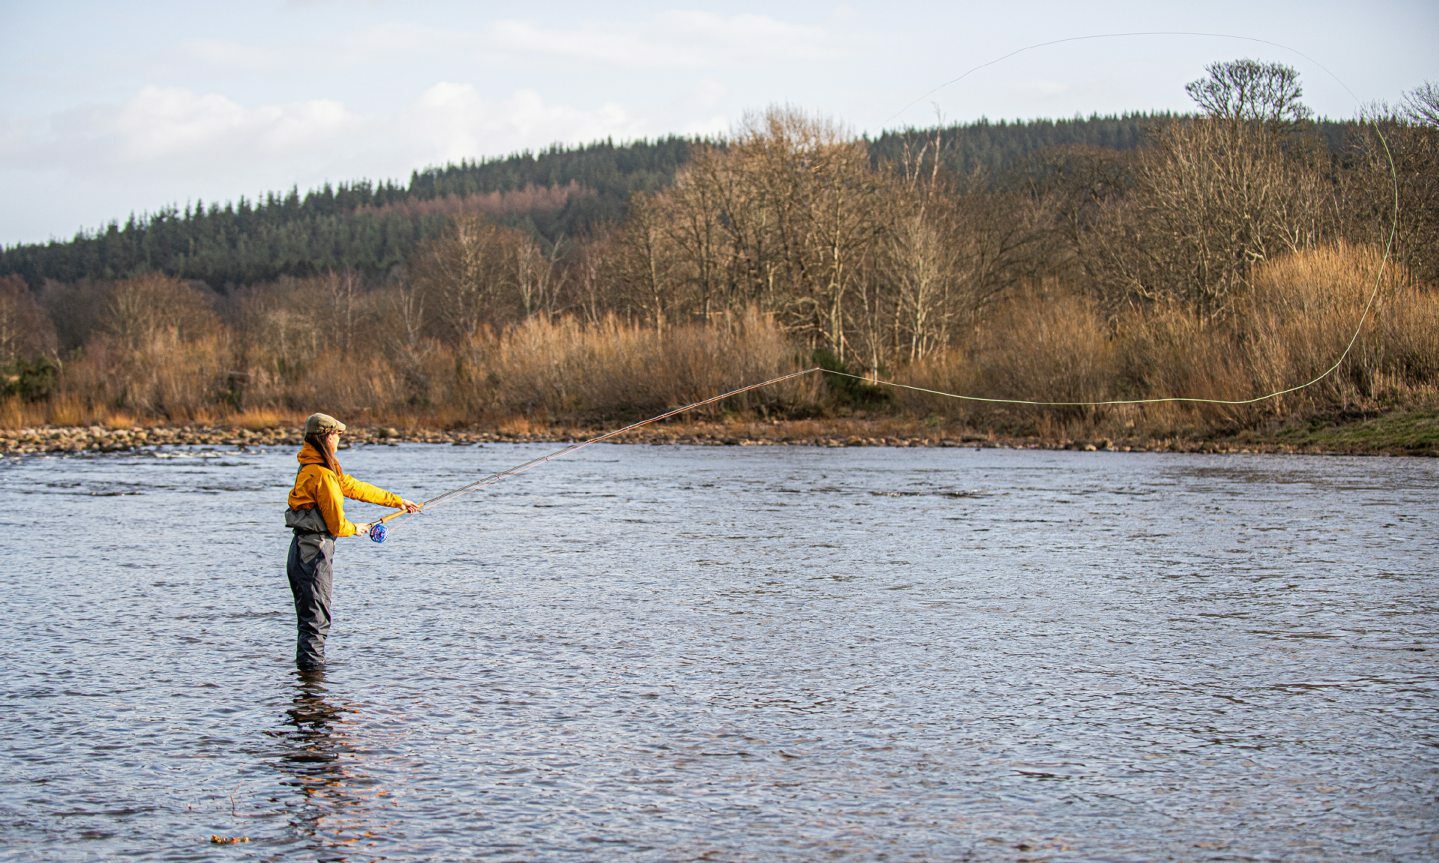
[{"x": 378, "y": 532}]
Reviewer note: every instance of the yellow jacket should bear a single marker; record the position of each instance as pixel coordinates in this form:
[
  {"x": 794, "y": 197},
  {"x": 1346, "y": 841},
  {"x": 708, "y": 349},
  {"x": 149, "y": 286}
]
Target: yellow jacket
[{"x": 317, "y": 485}]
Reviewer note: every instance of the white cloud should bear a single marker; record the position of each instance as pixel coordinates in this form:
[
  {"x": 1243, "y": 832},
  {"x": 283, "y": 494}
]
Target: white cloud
[
  {"x": 17, "y": 137},
  {"x": 453, "y": 121},
  {"x": 313, "y": 123},
  {"x": 172, "y": 144},
  {"x": 174, "y": 138},
  {"x": 302, "y": 55},
  {"x": 161, "y": 122},
  {"x": 169, "y": 123},
  {"x": 197, "y": 143}
]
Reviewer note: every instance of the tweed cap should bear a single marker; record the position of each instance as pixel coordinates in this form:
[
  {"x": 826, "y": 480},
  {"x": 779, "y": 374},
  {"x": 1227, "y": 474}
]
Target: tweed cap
[{"x": 322, "y": 424}]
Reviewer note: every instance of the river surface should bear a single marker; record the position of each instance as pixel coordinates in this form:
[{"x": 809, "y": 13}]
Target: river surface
[{"x": 665, "y": 653}]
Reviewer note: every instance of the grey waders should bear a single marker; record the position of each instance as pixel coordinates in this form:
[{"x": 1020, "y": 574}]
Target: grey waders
[{"x": 312, "y": 553}]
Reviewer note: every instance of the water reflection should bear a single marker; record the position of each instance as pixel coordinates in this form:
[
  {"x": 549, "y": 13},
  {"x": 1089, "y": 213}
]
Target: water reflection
[{"x": 330, "y": 810}]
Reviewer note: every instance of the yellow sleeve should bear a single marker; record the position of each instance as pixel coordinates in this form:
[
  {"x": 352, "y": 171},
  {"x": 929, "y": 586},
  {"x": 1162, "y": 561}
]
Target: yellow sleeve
[
  {"x": 330, "y": 499},
  {"x": 353, "y": 488}
]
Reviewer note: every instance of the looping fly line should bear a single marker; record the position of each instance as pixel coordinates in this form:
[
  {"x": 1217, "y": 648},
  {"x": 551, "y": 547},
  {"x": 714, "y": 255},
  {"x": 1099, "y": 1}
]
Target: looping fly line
[{"x": 1364, "y": 315}]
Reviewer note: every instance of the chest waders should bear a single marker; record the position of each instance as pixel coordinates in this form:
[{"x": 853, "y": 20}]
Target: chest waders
[{"x": 312, "y": 552}]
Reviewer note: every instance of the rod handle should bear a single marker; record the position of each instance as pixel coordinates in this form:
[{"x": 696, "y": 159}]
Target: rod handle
[{"x": 392, "y": 516}]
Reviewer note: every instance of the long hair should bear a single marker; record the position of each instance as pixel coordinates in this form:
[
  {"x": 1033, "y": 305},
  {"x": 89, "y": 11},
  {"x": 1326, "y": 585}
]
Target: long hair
[{"x": 331, "y": 461}]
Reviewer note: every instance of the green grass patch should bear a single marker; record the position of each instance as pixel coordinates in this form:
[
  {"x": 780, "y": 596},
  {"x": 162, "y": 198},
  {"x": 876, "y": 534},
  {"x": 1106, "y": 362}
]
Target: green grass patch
[{"x": 1406, "y": 431}]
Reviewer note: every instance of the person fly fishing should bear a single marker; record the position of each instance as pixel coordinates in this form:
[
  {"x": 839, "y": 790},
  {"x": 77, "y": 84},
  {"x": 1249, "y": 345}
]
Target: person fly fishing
[{"x": 317, "y": 516}]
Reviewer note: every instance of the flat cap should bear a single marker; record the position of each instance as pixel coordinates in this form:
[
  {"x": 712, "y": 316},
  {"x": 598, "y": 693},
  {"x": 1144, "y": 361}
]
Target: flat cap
[{"x": 322, "y": 424}]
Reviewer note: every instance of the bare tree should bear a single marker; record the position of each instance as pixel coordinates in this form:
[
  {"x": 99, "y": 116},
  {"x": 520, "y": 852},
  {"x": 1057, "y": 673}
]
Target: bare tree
[
  {"x": 279, "y": 329},
  {"x": 1419, "y": 166},
  {"x": 1398, "y": 154},
  {"x": 1211, "y": 200},
  {"x": 1250, "y": 91},
  {"x": 697, "y": 231},
  {"x": 809, "y": 230},
  {"x": 1422, "y": 105},
  {"x": 1083, "y": 185},
  {"x": 590, "y": 274},
  {"x": 537, "y": 276},
  {"x": 462, "y": 277},
  {"x": 341, "y": 291},
  {"x": 25, "y": 330},
  {"x": 138, "y": 309},
  {"x": 1213, "y": 196},
  {"x": 399, "y": 331},
  {"x": 171, "y": 353},
  {"x": 643, "y": 264},
  {"x": 919, "y": 267},
  {"x": 76, "y": 309}
]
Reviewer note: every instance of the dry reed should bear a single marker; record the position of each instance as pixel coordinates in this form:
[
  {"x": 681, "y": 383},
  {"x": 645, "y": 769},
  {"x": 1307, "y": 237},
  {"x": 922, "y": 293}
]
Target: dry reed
[{"x": 1046, "y": 343}]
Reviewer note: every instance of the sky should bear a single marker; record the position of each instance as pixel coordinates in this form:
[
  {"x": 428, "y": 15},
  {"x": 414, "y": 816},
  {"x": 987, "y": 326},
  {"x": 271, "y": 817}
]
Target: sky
[{"x": 114, "y": 108}]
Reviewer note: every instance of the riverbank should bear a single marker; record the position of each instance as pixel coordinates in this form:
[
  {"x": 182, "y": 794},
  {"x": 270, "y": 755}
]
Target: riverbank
[{"x": 1408, "y": 432}]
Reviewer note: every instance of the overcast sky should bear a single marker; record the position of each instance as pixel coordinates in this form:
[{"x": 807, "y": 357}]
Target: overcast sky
[{"x": 108, "y": 108}]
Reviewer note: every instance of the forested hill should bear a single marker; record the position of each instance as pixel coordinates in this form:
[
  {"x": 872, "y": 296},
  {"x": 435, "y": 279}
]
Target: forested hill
[
  {"x": 364, "y": 226},
  {"x": 558, "y": 193}
]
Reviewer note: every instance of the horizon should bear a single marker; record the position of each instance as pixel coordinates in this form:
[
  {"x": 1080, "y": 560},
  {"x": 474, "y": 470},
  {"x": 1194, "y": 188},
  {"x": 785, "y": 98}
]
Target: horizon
[
  {"x": 110, "y": 113},
  {"x": 556, "y": 147}
]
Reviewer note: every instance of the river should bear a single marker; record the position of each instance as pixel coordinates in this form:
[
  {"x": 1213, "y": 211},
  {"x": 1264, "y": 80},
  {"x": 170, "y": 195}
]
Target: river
[{"x": 672, "y": 653}]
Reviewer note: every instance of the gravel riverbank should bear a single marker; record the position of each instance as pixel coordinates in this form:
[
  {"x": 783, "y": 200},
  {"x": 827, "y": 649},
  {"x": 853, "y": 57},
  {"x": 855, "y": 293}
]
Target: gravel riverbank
[{"x": 99, "y": 439}]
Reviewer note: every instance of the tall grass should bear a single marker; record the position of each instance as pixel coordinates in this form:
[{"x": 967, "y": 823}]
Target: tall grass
[
  {"x": 1303, "y": 312},
  {"x": 1049, "y": 343},
  {"x": 541, "y": 371},
  {"x": 613, "y": 370},
  {"x": 1296, "y": 319}
]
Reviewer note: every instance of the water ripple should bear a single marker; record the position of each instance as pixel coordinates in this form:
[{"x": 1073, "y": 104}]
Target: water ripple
[{"x": 672, "y": 653}]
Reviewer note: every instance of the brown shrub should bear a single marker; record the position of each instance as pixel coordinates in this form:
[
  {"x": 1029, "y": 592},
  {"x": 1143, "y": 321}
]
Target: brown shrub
[
  {"x": 1169, "y": 351},
  {"x": 1303, "y": 312},
  {"x": 1045, "y": 345},
  {"x": 563, "y": 369},
  {"x": 161, "y": 352}
]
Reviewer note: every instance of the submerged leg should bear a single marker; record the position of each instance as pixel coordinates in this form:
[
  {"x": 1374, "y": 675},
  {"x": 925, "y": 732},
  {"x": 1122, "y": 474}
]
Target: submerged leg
[{"x": 309, "y": 570}]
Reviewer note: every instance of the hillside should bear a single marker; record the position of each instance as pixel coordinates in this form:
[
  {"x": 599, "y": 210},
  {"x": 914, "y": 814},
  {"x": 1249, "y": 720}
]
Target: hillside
[{"x": 562, "y": 192}]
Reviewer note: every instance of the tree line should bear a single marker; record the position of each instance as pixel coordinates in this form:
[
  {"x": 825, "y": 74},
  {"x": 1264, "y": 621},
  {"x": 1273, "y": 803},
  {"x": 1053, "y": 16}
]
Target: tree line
[
  {"x": 934, "y": 254},
  {"x": 562, "y": 192}
]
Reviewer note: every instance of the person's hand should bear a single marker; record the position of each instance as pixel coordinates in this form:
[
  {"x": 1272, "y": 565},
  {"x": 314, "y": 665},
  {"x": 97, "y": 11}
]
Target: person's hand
[
  {"x": 362, "y": 530},
  {"x": 411, "y": 506}
]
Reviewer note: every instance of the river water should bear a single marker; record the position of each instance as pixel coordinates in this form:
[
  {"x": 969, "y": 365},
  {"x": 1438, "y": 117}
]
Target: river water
[{"x": 674, "y": 653}]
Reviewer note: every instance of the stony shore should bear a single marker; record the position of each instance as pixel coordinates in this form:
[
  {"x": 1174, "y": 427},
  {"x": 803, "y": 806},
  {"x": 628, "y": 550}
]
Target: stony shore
[{"x": 99, "y": 439}]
